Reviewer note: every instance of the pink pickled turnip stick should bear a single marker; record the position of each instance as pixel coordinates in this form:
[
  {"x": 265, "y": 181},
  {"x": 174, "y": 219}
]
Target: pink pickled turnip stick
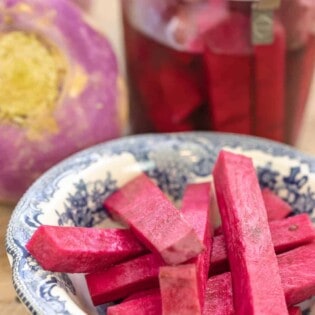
[
  {"x": 229, "y": 92},
  {"x": 124, "y": 279},
  {"x": 181, "y": 92},
  {"x": 228, "y": 65},
  {"x": 291, "y": 232},
  {"x": 286, "y": 234},
  {"x": 154, "y": 220},
  {"x": 156, "y": 105},
  {"x": 219, "y": 295},
  {"x": 269, "y": 69},
  {"x": 196, "y": 210},
  {"x": 149, "y": 303},
  {"x": 149, "y": 107},
  {"x": 277, "y": 208},
  {"x": 80, "y": 249},
  {"x": 297, "y": 269},
  {"x": 140, "y": 294},
  {"x": 254, "y": 268},
  {"x": 179, "y": 290},
  {"x": 170, "y": 92}
]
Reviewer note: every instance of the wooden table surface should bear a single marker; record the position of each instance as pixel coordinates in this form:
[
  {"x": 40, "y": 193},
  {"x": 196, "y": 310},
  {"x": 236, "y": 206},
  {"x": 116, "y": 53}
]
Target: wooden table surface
[{"x": 106, "y": 16}]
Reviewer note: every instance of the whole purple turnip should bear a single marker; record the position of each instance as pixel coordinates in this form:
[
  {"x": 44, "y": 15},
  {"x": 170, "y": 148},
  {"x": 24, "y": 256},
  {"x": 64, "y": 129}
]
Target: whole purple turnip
[{"x": 59, "y": 89}]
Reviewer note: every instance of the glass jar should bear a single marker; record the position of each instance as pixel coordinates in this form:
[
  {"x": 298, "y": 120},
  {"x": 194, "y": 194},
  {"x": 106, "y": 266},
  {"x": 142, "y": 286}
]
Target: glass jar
[{"x": 224, "y": 65}]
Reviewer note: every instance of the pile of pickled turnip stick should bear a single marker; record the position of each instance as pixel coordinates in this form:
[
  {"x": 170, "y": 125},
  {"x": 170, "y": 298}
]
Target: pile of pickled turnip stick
[{"x": 171, "y": 260}]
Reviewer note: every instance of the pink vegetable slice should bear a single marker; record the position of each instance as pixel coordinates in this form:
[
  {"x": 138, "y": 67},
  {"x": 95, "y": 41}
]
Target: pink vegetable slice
[
  {"x": 148, "y": 303},
  {"x": 255, "y": 273},
  {"x": 228, "y": 66},
  {"x": 292, "y": 232},
  {"x": 181, "y": 92},
  {"x": 179, "y": 290},
  {"x": 286, "y": 234},
  {"x": 80, "y": 249},
  {"x": 297, "y": 269},
  {"x": 155, "y": 98},
  {"x": 151, "y": 97},
  {"x": 124, "y": 279},
  {"x": 229, "y": 90},
  {"x": 295, "y": 311},
  {"x": 277, "y": 208},
  {"x": 219, "y": 295},
  {"x": 154, "y": 220},
  {"x": 196, "y": 210},
  {"x": 140, "y": 294},
  {"x": 269, "y": 108}
]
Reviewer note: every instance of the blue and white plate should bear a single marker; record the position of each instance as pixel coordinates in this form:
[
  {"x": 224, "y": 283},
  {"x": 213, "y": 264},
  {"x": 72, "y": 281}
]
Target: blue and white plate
[{"x": 72, "y": 193}]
